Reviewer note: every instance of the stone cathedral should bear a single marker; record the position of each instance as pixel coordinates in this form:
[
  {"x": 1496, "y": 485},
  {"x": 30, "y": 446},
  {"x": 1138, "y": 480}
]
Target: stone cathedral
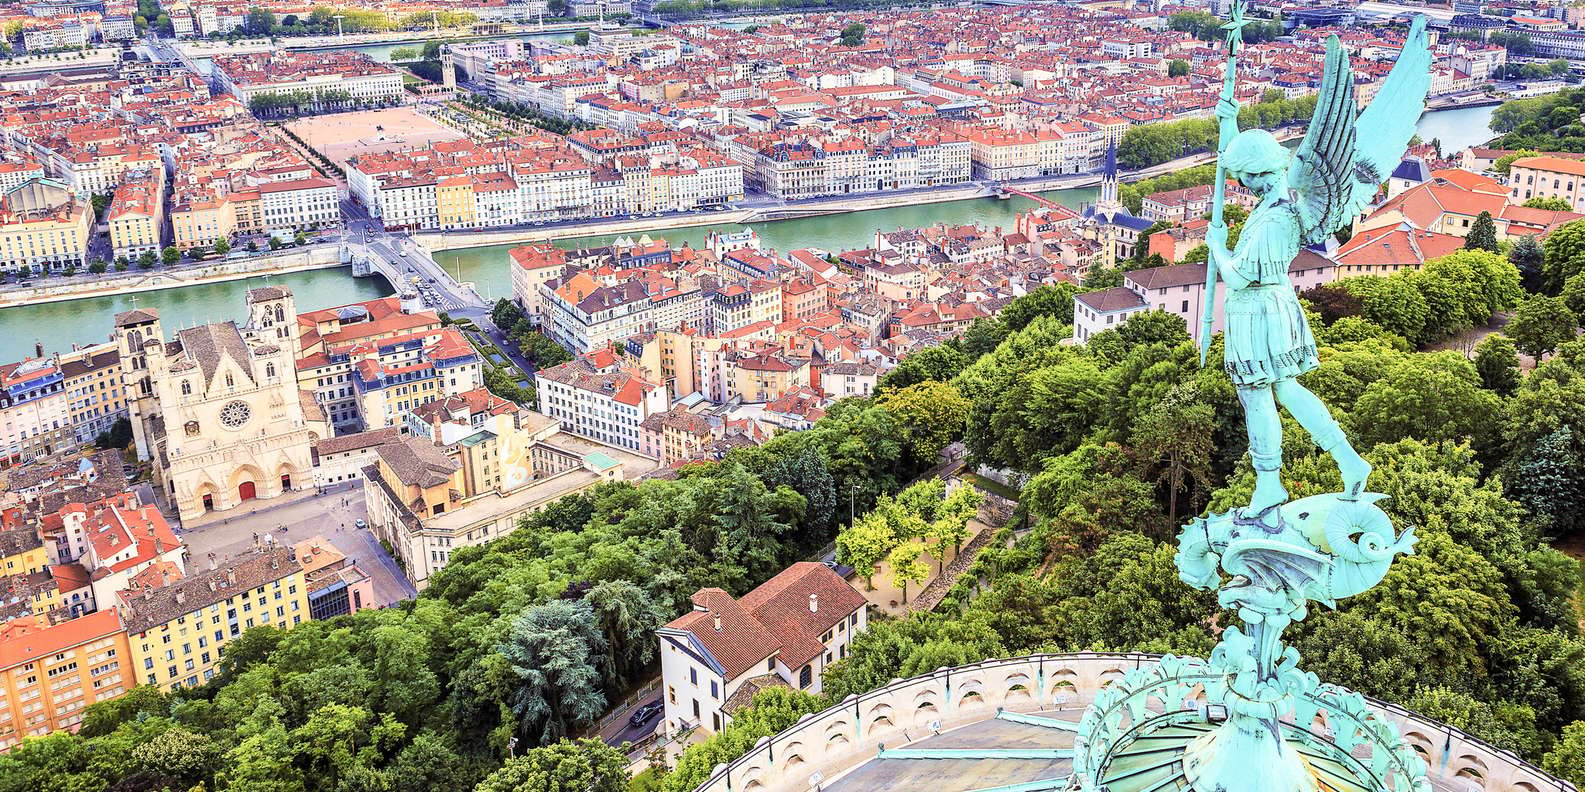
[{"x": 217, "y": 408}]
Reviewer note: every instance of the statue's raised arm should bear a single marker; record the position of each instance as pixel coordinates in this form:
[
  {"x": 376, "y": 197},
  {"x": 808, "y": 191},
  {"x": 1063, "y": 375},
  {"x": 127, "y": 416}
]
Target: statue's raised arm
[{"x": 1338, "y": 170}]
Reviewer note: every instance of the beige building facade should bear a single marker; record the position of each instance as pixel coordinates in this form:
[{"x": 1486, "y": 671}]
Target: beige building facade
[{"x": 218, "y": 408}]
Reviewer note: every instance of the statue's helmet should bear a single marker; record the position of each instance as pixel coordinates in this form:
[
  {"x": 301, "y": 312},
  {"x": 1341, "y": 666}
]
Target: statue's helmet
[{"x": 1254, "y": 151}]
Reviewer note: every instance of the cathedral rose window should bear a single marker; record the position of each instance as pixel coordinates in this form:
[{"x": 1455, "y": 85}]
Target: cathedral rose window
[{"x": 235, "y": 414}]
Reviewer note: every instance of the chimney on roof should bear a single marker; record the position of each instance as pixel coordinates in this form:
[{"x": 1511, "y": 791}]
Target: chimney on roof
[
  {"x": 814, "y": 603},
  {"x": 148, "y": 592},
  {"x": 212, "y": 585},
  {"x": 38, "y": 349},
  {"x": 718, "y": 622},
  {"x": 181, "y": 596},
  {"x": 231, "y": 576}
]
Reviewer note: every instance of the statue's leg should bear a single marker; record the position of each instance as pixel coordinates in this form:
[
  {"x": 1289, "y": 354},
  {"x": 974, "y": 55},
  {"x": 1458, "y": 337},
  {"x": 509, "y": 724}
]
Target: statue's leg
[
  {"x": 1265, "y": 446},
  {"x": 1311, "y": 413}
]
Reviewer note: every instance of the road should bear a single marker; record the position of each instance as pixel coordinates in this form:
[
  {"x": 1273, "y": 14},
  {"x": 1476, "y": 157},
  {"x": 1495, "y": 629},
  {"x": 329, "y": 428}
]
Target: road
[{"x": 619, "y": 731}]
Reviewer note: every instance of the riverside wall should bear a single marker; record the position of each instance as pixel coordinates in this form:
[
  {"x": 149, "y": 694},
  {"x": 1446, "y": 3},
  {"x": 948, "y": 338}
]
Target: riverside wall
[{"x": 46, "y": 290}]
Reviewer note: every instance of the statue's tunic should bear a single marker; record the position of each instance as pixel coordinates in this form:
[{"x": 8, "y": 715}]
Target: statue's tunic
[{"x": 1267, "y": 336}]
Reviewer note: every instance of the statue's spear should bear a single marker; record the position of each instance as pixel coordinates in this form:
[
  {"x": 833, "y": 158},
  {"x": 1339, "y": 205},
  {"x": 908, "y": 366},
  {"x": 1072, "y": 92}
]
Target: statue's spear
[{"x": 1235, "y": 42}]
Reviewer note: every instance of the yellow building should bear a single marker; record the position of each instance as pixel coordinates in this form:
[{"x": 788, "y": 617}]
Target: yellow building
[
  {"x": 203, "y": 221},
  {"x": 136, "y": 216},
  {"x": 177, "y": 632},
  {"x": 50, "y": 674},
  {"x": 1547, "y": 177},
  {"x": 22, "y": 552},
  {"x": 92, "y": 378},
  {"x": 26, "y": 586},
  {"x": 44, "y": 225},
  {"x": 468, "y": 469},
  {"x": 454, "y": 202}
]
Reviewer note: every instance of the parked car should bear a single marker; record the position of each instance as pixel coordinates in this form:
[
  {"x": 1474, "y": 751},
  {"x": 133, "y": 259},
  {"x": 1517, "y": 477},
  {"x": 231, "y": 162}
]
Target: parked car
[
  {"x": 644, "y": 713},
  {"x": 359, "y": 524}
]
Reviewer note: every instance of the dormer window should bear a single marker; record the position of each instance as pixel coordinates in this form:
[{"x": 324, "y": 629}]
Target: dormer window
[{"x": 187, "y": 388}]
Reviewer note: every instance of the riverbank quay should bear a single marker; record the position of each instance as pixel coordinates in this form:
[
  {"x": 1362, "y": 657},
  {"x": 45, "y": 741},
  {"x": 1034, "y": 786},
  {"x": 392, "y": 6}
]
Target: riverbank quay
[
  {"x": 55, "y": 289},
  {"x": 435, "y": 241}
]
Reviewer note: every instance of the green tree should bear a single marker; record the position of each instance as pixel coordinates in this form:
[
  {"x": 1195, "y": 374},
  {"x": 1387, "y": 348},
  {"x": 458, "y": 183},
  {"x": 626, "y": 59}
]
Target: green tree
[
  {"x": 586, "y": 765},
  {"x": 1548, "y": 480},
  {"x": 1174, "y": 442},
  {"x": 1540, "y": 325},
  {"x": 1048, "y": 300},
  {"x": 940, "y": 363},
  {"x": 170, "y": 256},
  {"x": 1549, "y": 203},
  {"x": 147, "y": 260},
  {"x": 1566, "y": 760},
  {"x": 222, "y": 246},
  {"x": 1506, "y": 725},
  {"x": 906, "y": 566},
  {"x": 98, "y": 267},
  {"x": 1482, "y": 235},
  {"x": 771, "y": 710},
  {"x": 863, "y": 544},
  {"x": 1497, "y": 362},
  {"x": 1178, "y": 67},
  {"x": 581, "y": 38},
  {"x": 853, "y": 34},
  {"x": 628, "y": 620},
  {"x": 178, "y": 755},
  {"x": 1528, "y": 258},
  {"x": 554, "y": 652},
  {"x": 929, "y": 416},
  {"x": 1563, "y": 255},
  {"x": 1506, "y": 161},
  {"x": 1393, "y": 302},
  {"x": 258, "y": 21}
]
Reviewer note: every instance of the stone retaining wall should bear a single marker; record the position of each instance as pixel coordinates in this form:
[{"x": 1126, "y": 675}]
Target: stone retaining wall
[{"x": 54, "y": 289}]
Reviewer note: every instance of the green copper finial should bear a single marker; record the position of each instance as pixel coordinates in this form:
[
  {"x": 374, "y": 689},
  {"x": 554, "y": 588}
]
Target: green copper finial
[{"x": 1269, "y": 560}]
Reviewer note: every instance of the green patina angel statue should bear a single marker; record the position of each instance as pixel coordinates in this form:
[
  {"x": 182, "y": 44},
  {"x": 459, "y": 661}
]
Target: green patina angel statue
[{"x": 1303, "y": 199}]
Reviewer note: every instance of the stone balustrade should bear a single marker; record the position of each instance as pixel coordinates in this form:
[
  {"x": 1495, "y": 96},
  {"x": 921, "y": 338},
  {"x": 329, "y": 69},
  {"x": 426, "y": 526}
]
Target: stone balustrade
[{"x": 822, "y": 745}]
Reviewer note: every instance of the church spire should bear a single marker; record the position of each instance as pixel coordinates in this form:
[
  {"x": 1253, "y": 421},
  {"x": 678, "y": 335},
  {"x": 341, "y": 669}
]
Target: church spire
[{"x": 1108, "y": 196}]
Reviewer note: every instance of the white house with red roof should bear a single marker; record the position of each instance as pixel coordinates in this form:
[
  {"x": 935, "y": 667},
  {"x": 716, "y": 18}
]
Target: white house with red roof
[{"x": 785, "y": 632}]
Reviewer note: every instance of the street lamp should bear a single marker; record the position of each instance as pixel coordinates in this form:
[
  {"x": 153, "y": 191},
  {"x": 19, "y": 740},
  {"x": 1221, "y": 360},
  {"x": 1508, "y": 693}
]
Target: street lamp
[{"x": 339, "y": 33}]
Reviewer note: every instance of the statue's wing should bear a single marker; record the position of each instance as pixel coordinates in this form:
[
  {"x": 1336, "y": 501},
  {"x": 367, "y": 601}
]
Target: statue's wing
[{"x": 1346, "y": 155}]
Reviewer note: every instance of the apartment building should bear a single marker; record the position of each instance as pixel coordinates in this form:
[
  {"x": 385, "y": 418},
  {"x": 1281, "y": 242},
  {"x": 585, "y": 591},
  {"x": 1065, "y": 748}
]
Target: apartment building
[
  {"x": 51, "y": 673},
  {"x": 533, "y": 266},
  {"x": 335, "y": 77},
  {"x": 784, "y": 632},
  {"x": 137, "y": 216},
  {"x": 369, "y": 363},
  {"x": 95, "y": 396},
  {"x": 1548, "y": 177},
  {"x": 471, "y": 468},
  {"x": 593, "y": 397},
  {"x": 675, "y": 435},
  {"x": 299, "y": 205},
  {"x": 35, "y": 411},
  {"x": 44, "y": 225},
  {"x": 583, "y": 314},
  {"x": 177, "y": 631}
]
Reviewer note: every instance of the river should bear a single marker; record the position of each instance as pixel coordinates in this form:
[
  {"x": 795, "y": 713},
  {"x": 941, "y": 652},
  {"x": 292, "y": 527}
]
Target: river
[{"x": 58, "y": 325}]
